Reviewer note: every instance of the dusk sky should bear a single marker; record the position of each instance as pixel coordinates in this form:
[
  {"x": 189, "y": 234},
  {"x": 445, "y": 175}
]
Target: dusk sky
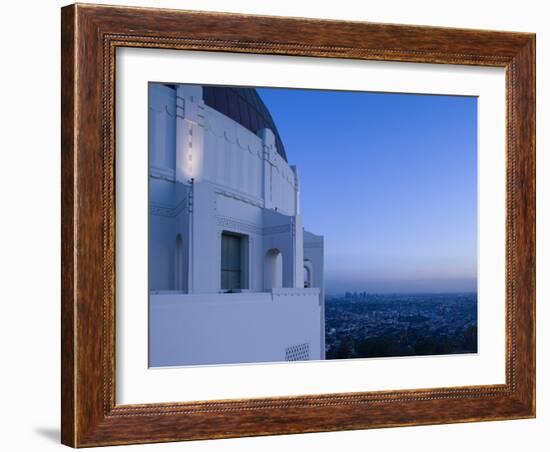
[{"x": 390, "y": 181}]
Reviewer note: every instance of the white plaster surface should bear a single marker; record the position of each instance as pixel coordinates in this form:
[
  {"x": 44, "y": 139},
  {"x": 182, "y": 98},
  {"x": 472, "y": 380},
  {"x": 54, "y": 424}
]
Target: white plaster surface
[{"x": 233, "y": 328}]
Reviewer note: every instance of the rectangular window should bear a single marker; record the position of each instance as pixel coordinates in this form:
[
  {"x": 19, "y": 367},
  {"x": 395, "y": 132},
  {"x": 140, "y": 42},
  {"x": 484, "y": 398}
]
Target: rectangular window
[{"x": 233, "y": 271}]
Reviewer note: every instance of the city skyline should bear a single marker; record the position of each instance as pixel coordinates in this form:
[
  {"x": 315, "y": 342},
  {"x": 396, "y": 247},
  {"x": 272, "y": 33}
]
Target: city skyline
[{"x": 411, "y": 161}]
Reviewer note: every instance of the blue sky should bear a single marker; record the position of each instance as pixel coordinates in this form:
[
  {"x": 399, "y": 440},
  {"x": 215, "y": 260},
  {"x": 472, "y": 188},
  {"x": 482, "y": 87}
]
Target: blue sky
[{"x": 390, "y": 180}]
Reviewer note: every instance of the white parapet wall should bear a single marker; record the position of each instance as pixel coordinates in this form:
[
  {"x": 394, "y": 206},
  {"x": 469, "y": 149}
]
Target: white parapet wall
[{"x": 229, "y": 328}]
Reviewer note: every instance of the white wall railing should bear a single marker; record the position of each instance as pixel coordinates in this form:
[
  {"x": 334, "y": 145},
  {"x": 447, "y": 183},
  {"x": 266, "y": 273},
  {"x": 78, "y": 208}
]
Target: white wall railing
[{"x": 230, "y": 328}]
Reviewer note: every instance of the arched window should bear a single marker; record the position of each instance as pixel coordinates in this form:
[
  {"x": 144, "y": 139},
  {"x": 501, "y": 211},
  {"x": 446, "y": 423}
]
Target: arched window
[
  {"x": 308, "y": 274},
  {"x": 307, "y": 277},
  {"x": 178, "y": 267},
  {"x": 273, "y": 269}
]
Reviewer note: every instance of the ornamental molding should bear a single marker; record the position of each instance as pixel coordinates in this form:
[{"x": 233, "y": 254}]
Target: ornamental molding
[
  {"x": 237, "y": 225},
  {"x": 165, "y": 210}
]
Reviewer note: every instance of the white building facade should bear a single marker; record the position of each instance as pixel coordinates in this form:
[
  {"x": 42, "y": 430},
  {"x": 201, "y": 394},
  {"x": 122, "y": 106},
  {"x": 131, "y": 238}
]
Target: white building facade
[{"x": 233, "y": 276}]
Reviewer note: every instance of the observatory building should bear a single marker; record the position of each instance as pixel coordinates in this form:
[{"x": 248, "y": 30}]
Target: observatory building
[{"x": 233, "y": 275}]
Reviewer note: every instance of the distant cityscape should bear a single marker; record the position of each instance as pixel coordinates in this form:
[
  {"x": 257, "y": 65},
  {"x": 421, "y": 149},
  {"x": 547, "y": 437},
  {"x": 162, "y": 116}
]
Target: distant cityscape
[{"x": 363, "y": 325}]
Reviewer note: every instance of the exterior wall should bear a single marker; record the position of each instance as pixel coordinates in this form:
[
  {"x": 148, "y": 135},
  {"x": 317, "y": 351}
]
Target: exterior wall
[
  {"x": 233, "y": 156},
  {"x": 284, "y": 233},
  {"x": 209, "y": 175},
  {"x": 241, "y": 215},
  {"x": 168, "y": 197},
  {"x": 189, "y": 127},
  {"x": 279, "y": 179},
  {"x": 162, "y": 127},
  {"x": 168, "y": 218},
  {"x": 234, "y": 328},
  {"x": 314, "y": 257},
  {"x": 236, "y": 159},
  {"x": 264, "y": 228}
]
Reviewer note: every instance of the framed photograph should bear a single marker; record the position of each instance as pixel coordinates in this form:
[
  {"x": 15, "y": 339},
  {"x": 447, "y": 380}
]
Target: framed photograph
[{"x": 281, "y": 225}]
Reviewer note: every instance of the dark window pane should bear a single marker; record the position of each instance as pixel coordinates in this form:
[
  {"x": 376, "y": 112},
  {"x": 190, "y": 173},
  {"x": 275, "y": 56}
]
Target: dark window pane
[
  {"x": 231, "y": 280},
  {"x": 231, "y": 262}
]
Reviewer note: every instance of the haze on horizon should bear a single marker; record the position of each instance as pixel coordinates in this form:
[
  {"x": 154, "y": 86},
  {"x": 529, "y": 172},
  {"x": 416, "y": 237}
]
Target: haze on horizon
[{"x": 390, "y": 180}]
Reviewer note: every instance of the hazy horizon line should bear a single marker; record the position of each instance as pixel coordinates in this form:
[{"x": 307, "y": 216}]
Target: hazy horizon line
[{"x": 360, "y": 292}]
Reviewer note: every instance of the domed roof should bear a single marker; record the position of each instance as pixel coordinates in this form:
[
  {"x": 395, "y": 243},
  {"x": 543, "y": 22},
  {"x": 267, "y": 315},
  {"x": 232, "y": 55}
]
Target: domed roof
[{"x": 245, "y": 106}]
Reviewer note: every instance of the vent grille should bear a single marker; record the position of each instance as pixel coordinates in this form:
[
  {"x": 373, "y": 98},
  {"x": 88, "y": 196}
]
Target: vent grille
[{"x": 298, "y": 352}]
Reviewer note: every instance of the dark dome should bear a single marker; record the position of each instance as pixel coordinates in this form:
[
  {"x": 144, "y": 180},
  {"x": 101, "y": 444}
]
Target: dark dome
[{"x": 245, "y": 106}]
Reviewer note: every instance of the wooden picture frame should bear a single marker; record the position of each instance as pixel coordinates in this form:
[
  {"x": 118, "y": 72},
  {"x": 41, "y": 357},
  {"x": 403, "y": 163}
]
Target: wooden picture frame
[{"x": 90, "y": 36}]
